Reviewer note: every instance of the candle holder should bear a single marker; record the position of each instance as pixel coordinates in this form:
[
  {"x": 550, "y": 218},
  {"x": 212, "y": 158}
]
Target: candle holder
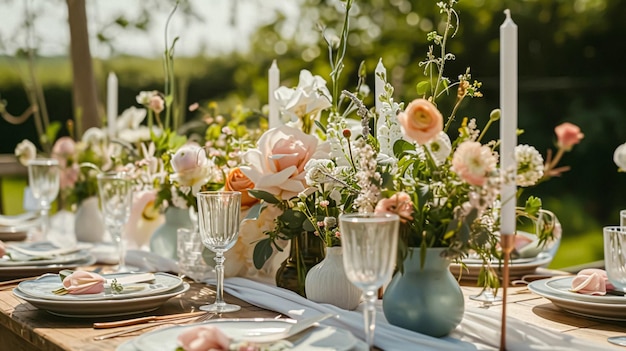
[{"x": 507, "y": 245}]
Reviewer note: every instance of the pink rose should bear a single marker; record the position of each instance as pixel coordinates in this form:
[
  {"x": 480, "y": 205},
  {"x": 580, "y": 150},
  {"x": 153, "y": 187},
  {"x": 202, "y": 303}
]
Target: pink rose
[
  {"x": 203, "y": 338},
  {"x": 81, "y": 282},
  {"x": 277, "y": 164},
  {"x": 473, "y": 162},
  {"x": 591, "y": 281},
  {"x": 399, "y": 203},
  {"x": 191, "y": 165},
  {"x": 64, "y": 147},
  {"x": 156, "y": 104},
  {"x": 568, "y": 135},
  {"x": 421, "y": 121}
]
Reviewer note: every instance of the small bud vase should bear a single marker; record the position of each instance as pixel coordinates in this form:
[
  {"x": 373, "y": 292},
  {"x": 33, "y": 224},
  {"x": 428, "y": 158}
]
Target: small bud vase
[
  {"x": 327, "y": 282},
  {"x": 163, "y": 240},
  {"x": 427, "y": 299},
  {"x": 305, "y": 252},
  {"x": 88, "y": 222}
]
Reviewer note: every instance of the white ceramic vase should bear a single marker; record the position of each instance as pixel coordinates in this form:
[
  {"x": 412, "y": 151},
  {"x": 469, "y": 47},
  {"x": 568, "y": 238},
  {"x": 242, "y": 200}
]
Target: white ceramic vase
[
  {"x": 88, "y": 222},
  {"x": 327, "y": 282}
]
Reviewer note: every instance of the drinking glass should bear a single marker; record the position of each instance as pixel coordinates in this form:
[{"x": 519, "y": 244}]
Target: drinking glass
[
  {"x": 370, "y": 243},
  {"x": 218, "y": 219},
  {"x": 615, "y": 255},
  {"x": 116, "y": 198},
  {"x": 43, "y": 180}
]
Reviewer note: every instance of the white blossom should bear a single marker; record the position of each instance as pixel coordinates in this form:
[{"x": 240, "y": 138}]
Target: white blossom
[{"x": 529, "y": 165}]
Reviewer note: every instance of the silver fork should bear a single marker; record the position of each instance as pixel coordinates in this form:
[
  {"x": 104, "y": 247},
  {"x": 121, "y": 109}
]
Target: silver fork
[{"x": 204, "y": 317}]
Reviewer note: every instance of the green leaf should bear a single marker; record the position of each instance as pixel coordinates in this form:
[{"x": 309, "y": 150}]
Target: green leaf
[
  {"x": 400, "y": 146},
  {"x": 262, "y": 252},
  {"x": 52, "y": 131},
  {"x": 422, "y": 87},
  {"x": 307, "y": 226},
  {"x": 532, "y": 206},
  {"x": 264, "y": 195}
]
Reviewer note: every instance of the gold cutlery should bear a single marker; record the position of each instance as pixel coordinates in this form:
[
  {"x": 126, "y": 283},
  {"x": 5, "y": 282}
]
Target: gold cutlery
[
  {"x": 205, "y": 317},
  {"x": 141, "y": 320}
]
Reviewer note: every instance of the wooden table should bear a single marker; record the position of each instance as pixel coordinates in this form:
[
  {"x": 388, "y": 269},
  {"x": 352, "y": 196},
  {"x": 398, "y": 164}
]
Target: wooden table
[{"x": 23, "y": 327}]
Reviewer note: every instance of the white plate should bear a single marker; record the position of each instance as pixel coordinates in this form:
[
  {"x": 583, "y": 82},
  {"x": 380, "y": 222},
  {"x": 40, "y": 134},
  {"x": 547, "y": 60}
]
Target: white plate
[
  {"x": 318, "y": 338},
  {"x": 102, "y": 308},
  {"x": 517, "y": 268},
  {"x": 44, "y": 248},
  {"x": 608, "y": 311},
  {"x": 28, "y": 271},
  {"x": 43, "y": 288},
  {"x": 563, "y": 285}
]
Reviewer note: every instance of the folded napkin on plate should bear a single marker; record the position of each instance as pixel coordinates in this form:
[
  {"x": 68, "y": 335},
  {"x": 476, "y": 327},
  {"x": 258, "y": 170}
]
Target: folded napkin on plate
[
  {"x": 591, "y": 281},
  {"x": 479, "y": 330},
  {"x": 82, "y": 283}
]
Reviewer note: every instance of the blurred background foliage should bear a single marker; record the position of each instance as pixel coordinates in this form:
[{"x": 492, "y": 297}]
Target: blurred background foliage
[{"x": 571, "y": 68}]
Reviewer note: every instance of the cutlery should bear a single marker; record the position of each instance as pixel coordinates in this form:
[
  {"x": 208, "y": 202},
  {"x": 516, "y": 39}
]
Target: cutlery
[
  {"x": 205, "y": 317},
  {"x": 43, "y": 253},
  {"x": 296, "y": 328},
  {"x": 141, "y": 320}
]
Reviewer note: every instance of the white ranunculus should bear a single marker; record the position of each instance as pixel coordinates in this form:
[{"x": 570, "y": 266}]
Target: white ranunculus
[
  {"x": 440, "y": 147},
  {"x": 25, "y": 151},
  {"x": 141, "y": 133},
  {"x": 277, "y": 164},
  {"x": 619, "y": 157},
  {"x": 131, "y": 118}
]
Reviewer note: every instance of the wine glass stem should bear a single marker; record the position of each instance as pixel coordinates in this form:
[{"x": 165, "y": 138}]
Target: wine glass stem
[
  {"x": 219, "y": 270},
  {"x": 45, "y": 222},
  {"x": 369, "y": 315},
  {"x": 121, "y": 248}
]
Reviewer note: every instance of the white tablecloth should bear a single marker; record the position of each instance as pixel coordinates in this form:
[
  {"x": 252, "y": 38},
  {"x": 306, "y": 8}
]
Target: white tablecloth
[{"x": 479, "y": 330}]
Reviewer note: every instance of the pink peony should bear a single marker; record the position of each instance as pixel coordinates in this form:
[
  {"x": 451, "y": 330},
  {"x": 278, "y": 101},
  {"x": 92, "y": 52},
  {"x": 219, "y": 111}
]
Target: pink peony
[
  {"x": 473, "y": 162},
  {"x": 421, "y": 121},
  {"x": 203, "y": 338},
  {"x": 591, "y": 281},
  {"x": 399, "y": 203},
  {"x": 568, "y": 135},
  {"x": 277, "y": 164},
  {"x": 81, "y": 282}
]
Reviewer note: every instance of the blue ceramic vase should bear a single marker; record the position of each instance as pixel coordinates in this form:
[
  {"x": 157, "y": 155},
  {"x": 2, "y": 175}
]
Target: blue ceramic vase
[
  {"x": 425, "y": 299},
  {"x": 163, "y": 240}
]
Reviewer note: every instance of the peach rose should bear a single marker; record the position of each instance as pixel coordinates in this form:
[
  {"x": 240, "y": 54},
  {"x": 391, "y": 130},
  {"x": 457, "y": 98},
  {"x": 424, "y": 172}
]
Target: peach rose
[
  {"x": 399, "y": 203},
  {"x": 568, "y": 135},
  {"x": 277, "y": 164},
  {"x": 204, "y": 338},
  {"x": 81, "y": 282},
  {"x": 237, "y": 181},
  {"x": 421, "y": 121},
  {"x": 473, "y": 162}
]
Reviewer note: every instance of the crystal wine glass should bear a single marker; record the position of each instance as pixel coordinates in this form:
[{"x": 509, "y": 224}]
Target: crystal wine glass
[
  {"x": 43, "y": 179},
  {"x": 369, "y": 244},
  {"x": 218, "y": 219},
  {"x": 116, "y": 197}
]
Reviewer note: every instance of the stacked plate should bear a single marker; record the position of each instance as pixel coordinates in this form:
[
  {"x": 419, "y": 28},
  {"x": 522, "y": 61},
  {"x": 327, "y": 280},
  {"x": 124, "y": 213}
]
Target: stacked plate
[
  {"x": 136, "y": 297},
  {"x": 517, "y": 268},
  {"x": 33, "y": 258},
  {"x": 317, "y": 338},
  {"x": 557, "y": 290},
  {"x": 15, "y": 228}
]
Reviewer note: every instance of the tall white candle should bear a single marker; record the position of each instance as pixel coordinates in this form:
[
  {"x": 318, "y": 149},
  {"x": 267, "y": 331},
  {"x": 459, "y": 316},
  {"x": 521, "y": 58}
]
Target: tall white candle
[
  {"x": 111, "y": 104},
  {"x": 379, "y": 84},
  {"x": 508, "y": 121},
  {"x": 274, "y": 81}
]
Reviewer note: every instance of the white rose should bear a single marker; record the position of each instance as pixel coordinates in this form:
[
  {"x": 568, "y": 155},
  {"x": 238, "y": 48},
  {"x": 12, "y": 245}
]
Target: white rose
[{"x": 192, "y": 167}]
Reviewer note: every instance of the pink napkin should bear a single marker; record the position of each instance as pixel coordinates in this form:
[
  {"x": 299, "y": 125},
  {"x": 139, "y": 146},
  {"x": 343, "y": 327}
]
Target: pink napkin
[
  {"x": 204, "y": 338},
  {"x": 591, "y": 281},
  {"x": 81, "y": 282}
]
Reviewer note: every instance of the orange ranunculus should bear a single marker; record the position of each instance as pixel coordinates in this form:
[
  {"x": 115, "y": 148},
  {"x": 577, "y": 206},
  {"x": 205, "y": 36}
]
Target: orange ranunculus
[
  {"x": 421, "y": 121},
  {"x": 237, "y": 181},
  {"x": 568, "y": 135}
]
